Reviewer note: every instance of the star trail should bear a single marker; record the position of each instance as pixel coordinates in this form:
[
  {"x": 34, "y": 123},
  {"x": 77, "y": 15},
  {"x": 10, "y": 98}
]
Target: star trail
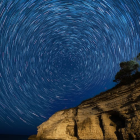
[{"x": 54, "y": 50}]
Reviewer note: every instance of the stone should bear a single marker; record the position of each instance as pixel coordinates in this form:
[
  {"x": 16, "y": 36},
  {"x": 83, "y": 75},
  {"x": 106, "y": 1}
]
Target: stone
[
  {"x": 111, "y": 115},
  {"x": 32, "y": 137}
]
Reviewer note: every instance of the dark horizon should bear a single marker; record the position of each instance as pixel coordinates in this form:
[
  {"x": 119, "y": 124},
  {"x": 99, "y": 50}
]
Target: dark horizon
[
  {"x": 55, "y": 54},
  {"x": 14, "y": 137}
]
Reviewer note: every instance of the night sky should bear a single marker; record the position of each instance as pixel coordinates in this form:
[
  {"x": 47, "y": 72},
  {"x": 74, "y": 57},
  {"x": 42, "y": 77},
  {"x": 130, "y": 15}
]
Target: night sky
[{"x": 56, "y": 53}]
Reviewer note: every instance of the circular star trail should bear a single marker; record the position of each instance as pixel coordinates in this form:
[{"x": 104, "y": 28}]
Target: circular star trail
[{"x": 52, "y": 48}]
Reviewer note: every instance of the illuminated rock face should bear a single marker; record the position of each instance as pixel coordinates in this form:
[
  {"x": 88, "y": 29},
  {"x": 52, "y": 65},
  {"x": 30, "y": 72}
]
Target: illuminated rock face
[{"x": 114, "y": 114}]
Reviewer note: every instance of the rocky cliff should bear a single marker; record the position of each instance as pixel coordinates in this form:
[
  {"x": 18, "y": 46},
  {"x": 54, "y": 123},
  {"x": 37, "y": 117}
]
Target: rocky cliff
[{"x": 114, "y": 114}]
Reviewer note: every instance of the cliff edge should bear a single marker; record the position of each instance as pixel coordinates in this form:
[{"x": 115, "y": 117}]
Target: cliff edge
[{"x": 111, "y": 115}]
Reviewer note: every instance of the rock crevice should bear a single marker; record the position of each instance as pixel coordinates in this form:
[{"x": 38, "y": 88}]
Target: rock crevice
[
  {"x": 101, "y": 125},
  {"x": 75, "y": 126}
]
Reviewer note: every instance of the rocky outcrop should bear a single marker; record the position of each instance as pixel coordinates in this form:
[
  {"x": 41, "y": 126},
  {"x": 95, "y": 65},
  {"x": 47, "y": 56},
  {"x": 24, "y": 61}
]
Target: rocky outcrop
[
  {"x": 111, "y": 115},
  {"x": 32, "y": 137}
]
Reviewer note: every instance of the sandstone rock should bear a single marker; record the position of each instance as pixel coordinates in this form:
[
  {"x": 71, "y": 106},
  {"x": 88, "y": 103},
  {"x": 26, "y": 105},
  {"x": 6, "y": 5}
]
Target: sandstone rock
[
  {"x": 32, "y": 137},
  {"x": 111, "y": 115}
]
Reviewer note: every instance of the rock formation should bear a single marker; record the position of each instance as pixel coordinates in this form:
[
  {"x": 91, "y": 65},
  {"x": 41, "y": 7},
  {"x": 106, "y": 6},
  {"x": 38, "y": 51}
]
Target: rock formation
[{"x": 111, "y": 115}]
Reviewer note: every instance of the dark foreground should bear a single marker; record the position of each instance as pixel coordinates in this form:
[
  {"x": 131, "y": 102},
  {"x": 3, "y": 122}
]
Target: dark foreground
[{"x": 14, "y": 137}]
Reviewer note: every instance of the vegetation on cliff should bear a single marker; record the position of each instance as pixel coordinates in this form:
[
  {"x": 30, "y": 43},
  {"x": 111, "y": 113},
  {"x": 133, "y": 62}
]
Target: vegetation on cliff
[{"x": 129, "y": 71}]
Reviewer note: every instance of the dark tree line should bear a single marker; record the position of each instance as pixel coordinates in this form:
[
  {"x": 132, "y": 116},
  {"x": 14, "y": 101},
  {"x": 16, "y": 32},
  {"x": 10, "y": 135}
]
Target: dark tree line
[{"x": 129, "y": 71}]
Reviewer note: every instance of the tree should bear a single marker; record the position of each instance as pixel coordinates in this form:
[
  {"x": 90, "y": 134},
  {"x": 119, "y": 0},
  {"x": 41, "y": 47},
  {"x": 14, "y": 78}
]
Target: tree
[
  {"x": 133, "y": 65},
  {"x": 122, "y": 75},
  {"x": 127, "y": 70}
]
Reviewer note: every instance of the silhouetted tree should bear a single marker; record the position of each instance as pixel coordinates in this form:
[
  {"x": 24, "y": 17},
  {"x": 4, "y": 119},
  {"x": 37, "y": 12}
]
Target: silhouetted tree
[
  {"x": 128, "y": 69},
  {"x": 133, "y": 65},
  {"x": 122, "y": 76}
]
